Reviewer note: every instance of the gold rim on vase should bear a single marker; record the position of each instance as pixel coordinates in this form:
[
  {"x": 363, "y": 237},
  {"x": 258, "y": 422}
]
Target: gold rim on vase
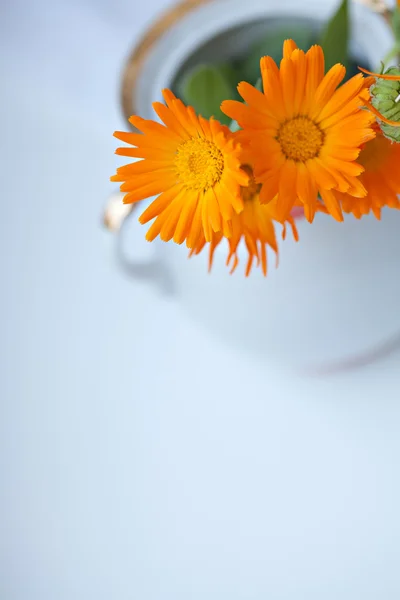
[
  {"x": 165, "y": 22},
  {"x": 113, "y": 216},
  {"x": 135, "y": 61}
]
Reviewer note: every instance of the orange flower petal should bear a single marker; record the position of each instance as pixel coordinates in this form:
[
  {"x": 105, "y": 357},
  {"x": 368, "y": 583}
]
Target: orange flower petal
[
  {"x": 380, "y": 75},
  {"x": 192, "y": 163},
  {"x": 326, "y": 89},
  {"x": 289, "y": 46},
  {"x": 379, "y": 115},
  {"x": 287, "y": 192},
  {"x": 341, "y": 97},
  {"x": 332, "y": 204}
]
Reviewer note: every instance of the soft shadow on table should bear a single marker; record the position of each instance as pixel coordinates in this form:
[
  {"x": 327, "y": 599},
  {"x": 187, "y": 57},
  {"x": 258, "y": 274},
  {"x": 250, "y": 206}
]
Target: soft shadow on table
[{"x": 374, "y": 355}]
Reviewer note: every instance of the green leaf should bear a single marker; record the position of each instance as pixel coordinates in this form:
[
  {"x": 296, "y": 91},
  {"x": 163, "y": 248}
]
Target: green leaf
[
  {"x": 271, "y": 45},
  {"x": 335, "y": 37},
  {"x": 259, "y": 85},
  {"x": 396, "y": 23},
  {"x": 230, "y": 73},
  {"x": 395, "y": 51},
  {"x": 205, "y": 88}
]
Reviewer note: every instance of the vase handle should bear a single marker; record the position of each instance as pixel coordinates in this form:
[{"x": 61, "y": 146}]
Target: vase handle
[{"x": 115, "y": 217}]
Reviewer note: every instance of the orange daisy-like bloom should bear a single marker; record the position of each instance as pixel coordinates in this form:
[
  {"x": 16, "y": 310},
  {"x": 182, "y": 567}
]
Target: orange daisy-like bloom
[
  {"x": 303, "y": 133},
  {"x": 255, "y": 225},
  {"x": 381, "y": 178},
  {"x": 192, "y": 164}
]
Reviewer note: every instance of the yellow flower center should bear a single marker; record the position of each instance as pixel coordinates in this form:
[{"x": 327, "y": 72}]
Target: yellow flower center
[
  {"x": 300, "y": 139},
  {"x": 199, "y": 163}
]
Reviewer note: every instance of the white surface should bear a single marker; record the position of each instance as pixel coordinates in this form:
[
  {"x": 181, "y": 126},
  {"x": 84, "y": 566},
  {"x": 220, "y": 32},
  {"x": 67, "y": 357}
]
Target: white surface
[{"x": 142, "y": 457}]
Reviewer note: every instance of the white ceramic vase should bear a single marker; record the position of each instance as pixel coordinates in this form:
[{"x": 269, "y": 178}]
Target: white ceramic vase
[{"x": 334, "y": 298}]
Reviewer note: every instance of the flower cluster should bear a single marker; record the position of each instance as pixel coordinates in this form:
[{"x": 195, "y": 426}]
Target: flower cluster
[{"x": 305, "y": 142}]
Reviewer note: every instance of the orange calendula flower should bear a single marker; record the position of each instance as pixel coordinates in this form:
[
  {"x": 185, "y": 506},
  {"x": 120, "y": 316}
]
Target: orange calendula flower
[
  {"x": 255, "y": 226},
  {"x": 303, "y": 133},
  {"x": 381, "y": 178},
  {"x": 191, "y": 164}
]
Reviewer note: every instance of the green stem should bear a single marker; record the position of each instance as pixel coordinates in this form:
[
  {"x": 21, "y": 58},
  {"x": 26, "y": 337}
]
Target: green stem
[{"x": 395, "y": 51}]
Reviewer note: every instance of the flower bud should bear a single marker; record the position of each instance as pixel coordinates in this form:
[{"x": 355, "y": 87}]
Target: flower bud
[{"x": 385, "y": 98}]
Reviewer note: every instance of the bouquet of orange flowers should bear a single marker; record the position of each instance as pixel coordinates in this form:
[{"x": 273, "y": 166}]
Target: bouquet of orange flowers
[{"x": 299, "y": 139}]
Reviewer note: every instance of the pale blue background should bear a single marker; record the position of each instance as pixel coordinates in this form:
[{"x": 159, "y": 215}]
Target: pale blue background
[{"x": 140, "y": 457}]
